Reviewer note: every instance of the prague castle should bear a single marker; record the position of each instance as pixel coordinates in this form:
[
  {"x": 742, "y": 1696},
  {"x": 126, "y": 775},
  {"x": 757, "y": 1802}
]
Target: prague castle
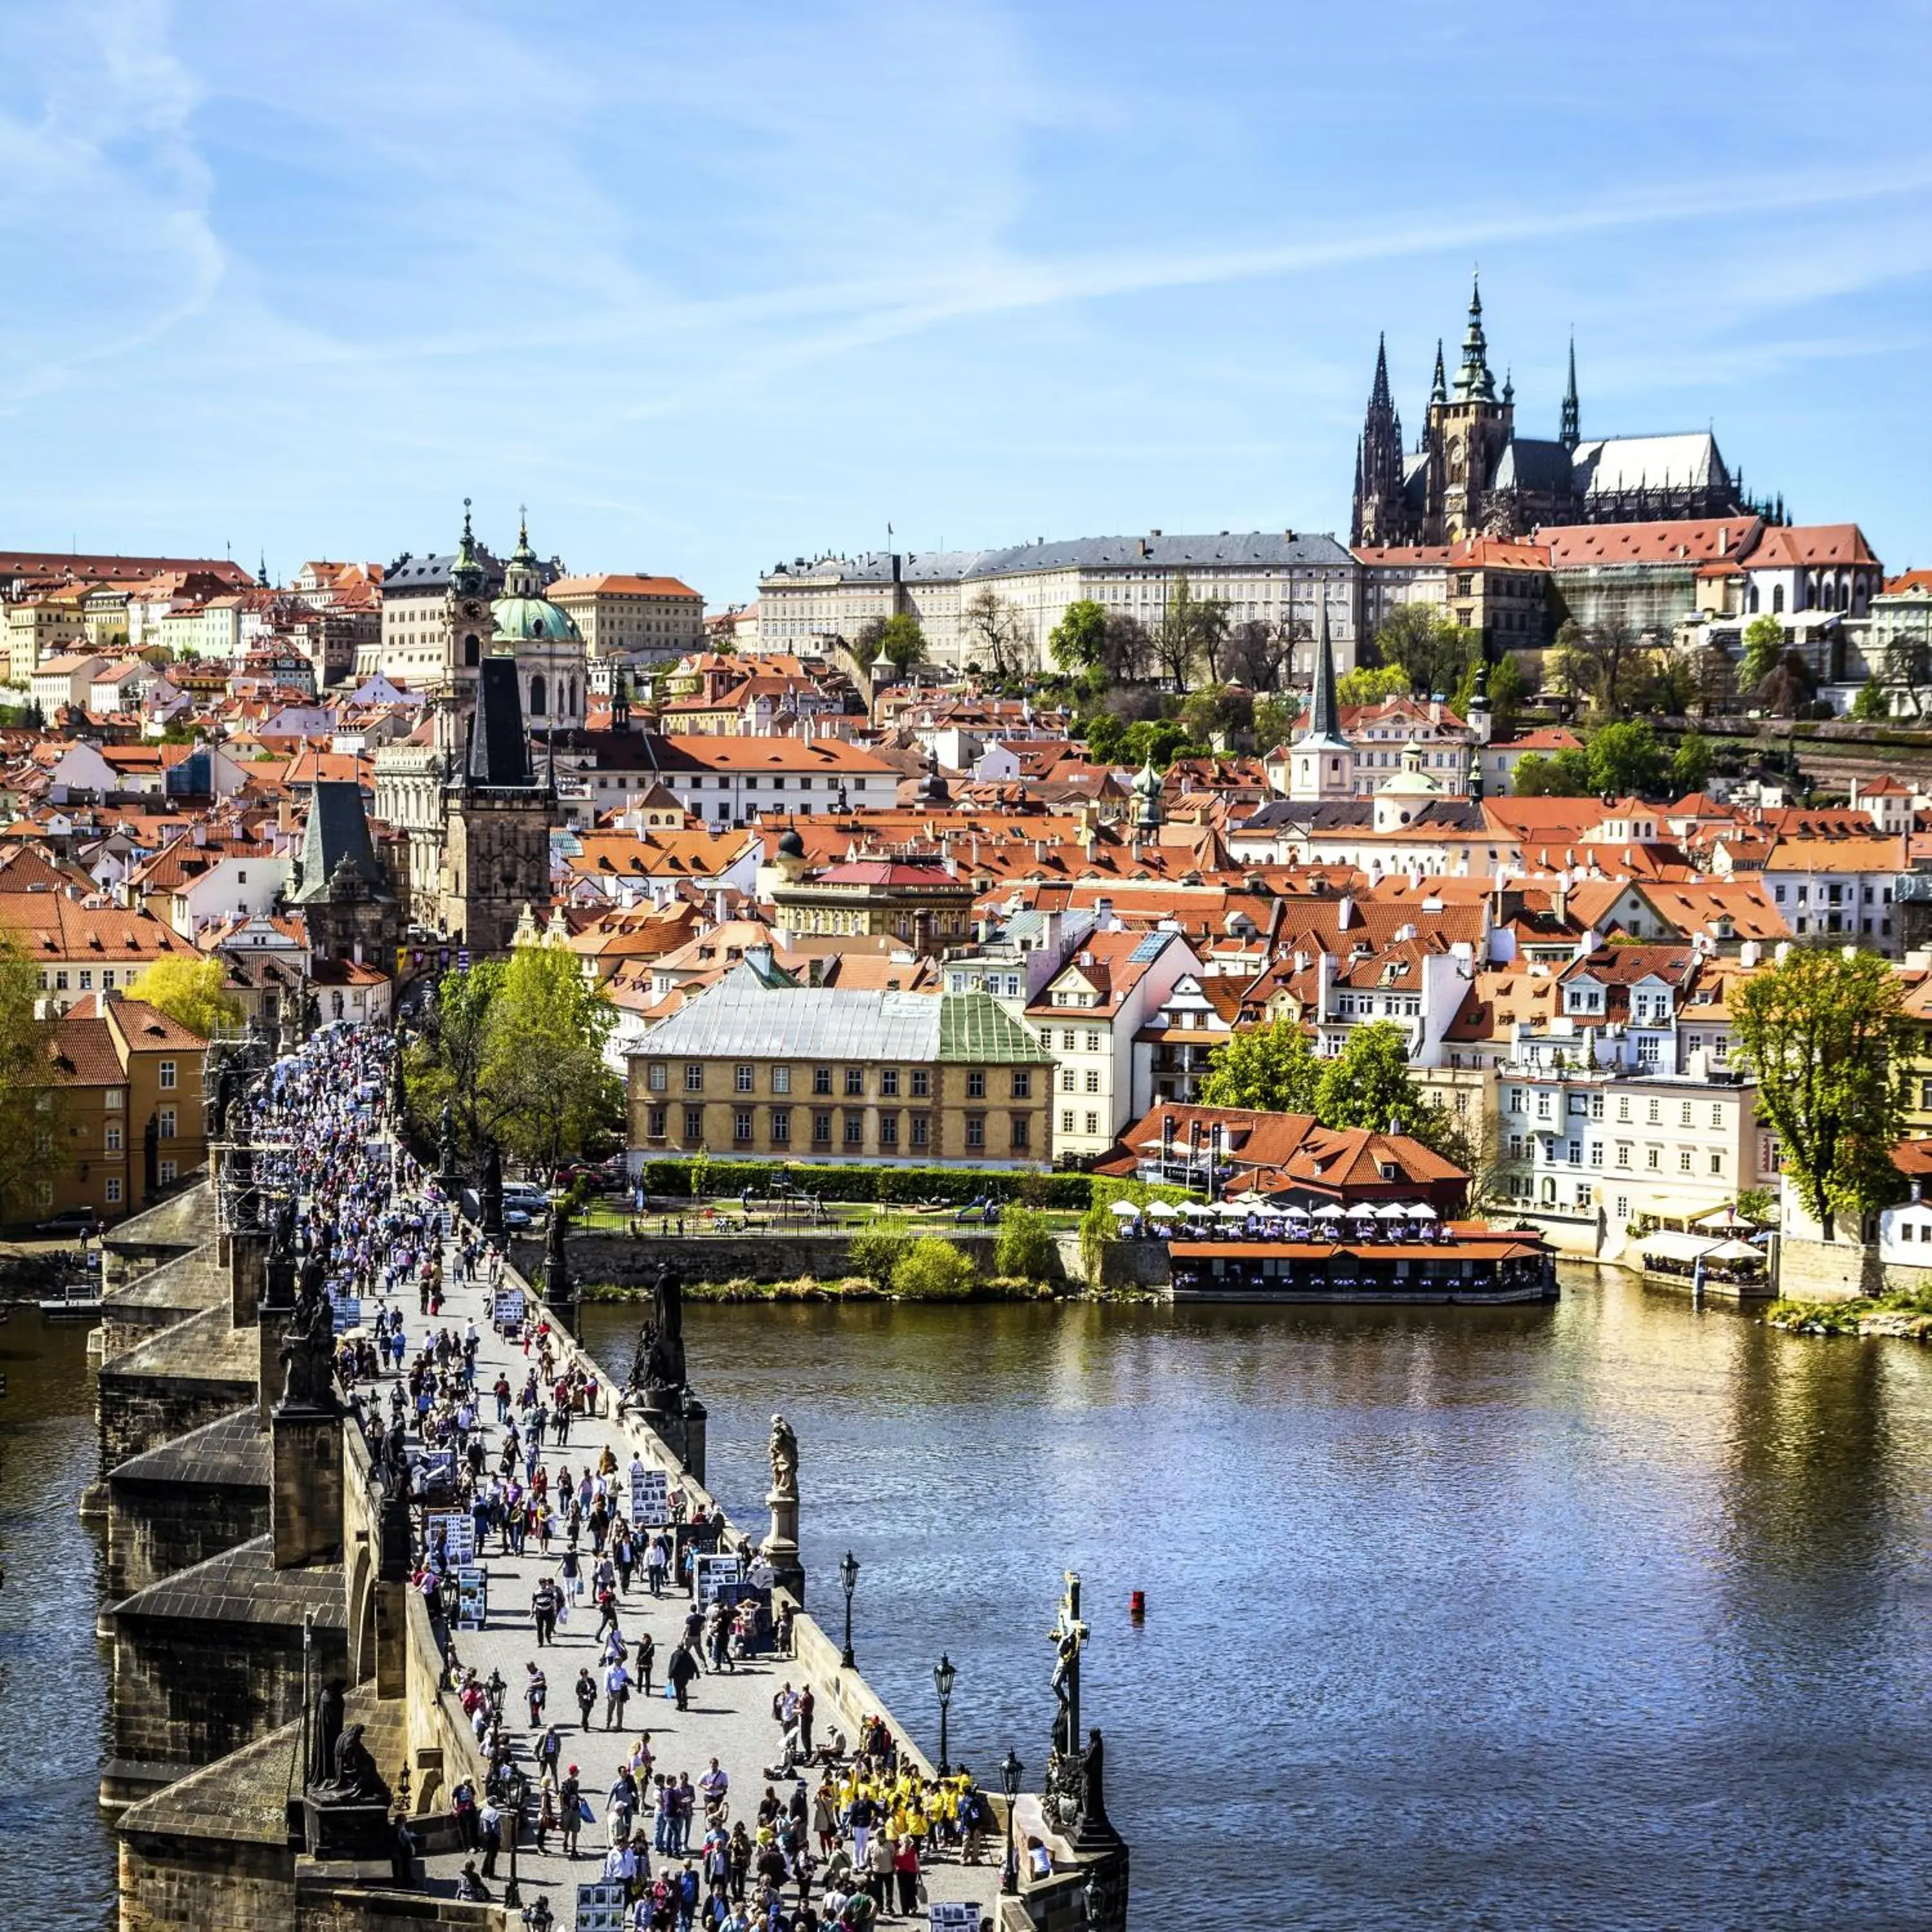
[{"x": 1470, "y": 474}]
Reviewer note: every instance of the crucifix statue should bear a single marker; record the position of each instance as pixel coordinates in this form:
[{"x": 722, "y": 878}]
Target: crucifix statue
[{"x": 1069, "y": 1638}]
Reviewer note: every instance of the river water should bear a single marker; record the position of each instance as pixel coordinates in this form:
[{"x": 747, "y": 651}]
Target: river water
[{"x": 1608, "y": 1614}]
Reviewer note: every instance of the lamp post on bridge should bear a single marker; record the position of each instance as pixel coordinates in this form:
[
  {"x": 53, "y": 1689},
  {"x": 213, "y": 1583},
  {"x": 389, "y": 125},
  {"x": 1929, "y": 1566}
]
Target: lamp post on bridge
[
  {"x": 513, "y": 1782},
  {"x": 1010, "y": 1783},
  {"x": 848, "y": 1575},
  {"x": 943, "y": 1672}
]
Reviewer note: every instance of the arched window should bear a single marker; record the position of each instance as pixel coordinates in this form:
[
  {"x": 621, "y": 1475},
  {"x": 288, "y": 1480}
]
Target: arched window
[
  {"x": 537, "y": 696},
  {"x": 1754, "y": 597},
  {"x": 1777, "y": 597},
  {"x": 570, "y": 698},
  {"x": 472, "y": 649}
]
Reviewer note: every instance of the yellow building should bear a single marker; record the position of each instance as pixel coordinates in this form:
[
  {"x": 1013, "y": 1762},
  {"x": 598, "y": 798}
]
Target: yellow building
[
  {"x": 759, "y": 1068},
  {"x": 657, "y": 616},
  {"x": 43, "y": 627}
]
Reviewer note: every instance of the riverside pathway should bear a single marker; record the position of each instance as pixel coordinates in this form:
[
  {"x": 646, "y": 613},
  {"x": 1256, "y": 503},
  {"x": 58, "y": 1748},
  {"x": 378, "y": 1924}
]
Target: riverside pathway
[{"x": 730, "y": 1718}]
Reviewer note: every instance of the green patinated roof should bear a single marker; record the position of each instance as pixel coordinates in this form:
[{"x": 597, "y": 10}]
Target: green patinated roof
[
  {"x": 974, "y": 1027},
  {"x": 522, "y": 617}
]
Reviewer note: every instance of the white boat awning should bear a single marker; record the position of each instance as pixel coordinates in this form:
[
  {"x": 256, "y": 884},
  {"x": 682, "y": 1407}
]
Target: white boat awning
[{"x": 1672, "y": 1246}]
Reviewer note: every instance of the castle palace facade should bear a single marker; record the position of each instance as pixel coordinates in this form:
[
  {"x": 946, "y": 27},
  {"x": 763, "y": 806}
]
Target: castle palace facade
[{"x": 1470, "y": 474}]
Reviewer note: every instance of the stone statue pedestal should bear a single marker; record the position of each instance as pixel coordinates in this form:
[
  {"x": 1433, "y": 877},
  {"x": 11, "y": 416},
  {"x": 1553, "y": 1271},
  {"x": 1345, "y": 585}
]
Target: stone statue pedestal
[
  {"x": 305, "y": 1485},
  {"x": 359, "y": 1829},
  {"x": 780, "y": 1547}
]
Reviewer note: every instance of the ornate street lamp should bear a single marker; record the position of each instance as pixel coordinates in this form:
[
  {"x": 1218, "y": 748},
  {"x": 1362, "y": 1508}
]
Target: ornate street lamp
[
  {"x": 513, "y": 1785},
  {"x": 1010, "y": 1783},
  {"x": 848, "y": 1575},
  {"x": 943, "y": 1675}
]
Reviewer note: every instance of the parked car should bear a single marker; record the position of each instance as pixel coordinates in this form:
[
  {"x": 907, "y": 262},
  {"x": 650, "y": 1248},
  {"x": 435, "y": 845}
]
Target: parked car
[{"x": 68, "y": 1221}]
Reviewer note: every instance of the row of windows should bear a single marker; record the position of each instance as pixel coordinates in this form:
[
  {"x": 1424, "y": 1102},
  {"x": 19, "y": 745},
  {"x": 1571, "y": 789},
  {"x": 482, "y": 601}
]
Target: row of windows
[
  {"x": 1574, "y": 1151},
  {"x": 1829, "y": 894},
  {"x": 917, "y": 1134},
  {"x": 1519, "y": 1100},
  {"x": 1090, "y": 1083}
]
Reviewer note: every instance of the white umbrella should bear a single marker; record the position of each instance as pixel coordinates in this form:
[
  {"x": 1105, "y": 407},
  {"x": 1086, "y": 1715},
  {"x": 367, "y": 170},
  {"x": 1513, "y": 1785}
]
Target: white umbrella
[
  {"x": 1329, "y": 1212},
  {"x": 1422, "y": 1211},
  {"x": 1295, "y": 1211},
  {"x": 1735, "y": 1251},
  {"x": 1249, "y": 1199},
  {"x": 1126, "y": 1211},
  {"x": 1162, "y": 1211},
  {"x": 1232, "y": 1210},
  {"x": 1394, "y": 1211}
]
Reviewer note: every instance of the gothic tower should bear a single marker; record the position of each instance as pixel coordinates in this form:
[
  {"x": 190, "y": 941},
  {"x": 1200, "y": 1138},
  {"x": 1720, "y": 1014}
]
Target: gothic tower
[
  {"x": 1468, "y": 433},
  {"x": 1321, "y": 762},
  {"x": 497, "y": 815},
  {"x": 1571, "y": 433},
  {"x": 1381, "y": 511}
]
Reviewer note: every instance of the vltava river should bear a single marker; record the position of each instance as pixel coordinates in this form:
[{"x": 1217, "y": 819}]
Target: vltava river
[{"x": 1612, "y": 1615}]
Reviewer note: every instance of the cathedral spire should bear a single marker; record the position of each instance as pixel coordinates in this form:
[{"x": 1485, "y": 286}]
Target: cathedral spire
[
  {"x": 1378, "y": 397},
  {"x": 1325, "y": 720},
  {"x": 1474, "y": 382},
  {"x": 1381, "y": 513},
  {"x": 1570, "y": 434},
  {"x": 1439, "y": 392}
]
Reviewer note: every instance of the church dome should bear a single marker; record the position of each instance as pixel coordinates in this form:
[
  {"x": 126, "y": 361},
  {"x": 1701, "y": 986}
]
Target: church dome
[
  {"x": 524, "y": 614},
  {"x": 791, "y": 845}
]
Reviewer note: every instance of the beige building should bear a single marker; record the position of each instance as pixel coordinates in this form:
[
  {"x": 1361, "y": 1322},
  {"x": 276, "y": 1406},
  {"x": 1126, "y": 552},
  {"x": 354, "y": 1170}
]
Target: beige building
[
  {"x": 649, "y": 616},
  {"x": 1267, "y": 576},
  {"x": 52, "y": 626},
  {"x": 759, "y": 1068}
]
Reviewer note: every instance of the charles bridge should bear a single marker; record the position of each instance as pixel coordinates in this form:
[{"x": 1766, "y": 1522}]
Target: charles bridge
[{"x": 256, "y": 1550}]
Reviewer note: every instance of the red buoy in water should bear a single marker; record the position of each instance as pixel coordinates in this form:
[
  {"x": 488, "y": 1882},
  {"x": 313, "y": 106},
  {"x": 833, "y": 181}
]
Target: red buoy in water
[{"x": 1137, "y": 1604}]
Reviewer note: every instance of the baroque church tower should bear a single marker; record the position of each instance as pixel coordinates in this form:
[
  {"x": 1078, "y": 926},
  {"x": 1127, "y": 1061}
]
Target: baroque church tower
[{"x": 1468, "y": 433}]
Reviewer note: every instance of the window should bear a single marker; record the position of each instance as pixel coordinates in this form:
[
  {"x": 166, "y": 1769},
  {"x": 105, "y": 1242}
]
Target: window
[
  {"x": 657, "y": 1125},
  {"x": 975, "y": 1084},
  {"x": 1684, "y": 1160},
  {"x": 821, "y": 1129},
  {"x": 1066, "y": 1120},
  {"x": 1092, "y": 1042},
  {"x": 1623, "y": 1107},
  {"x": 113, "y": 1195},
  {"x": 821, "y": 1080},
  {"x": 1093, "y": 1080},
  {"x": 746, "y": 1079},
  {"x": 889, "y": 1083},
  {"x": 1067, "y": 1084},
  {"x": 922, "y": 1083},
  {"x": 889, "y": 1130},
  {"x": 693, "y": 1076},
  {"x": 167, "y": 1073},
  {"x": 167, "y": 1121},
  {"x": 920, "y": 1126},
  {"x": 780, "y": 1079},
  {"x": 60, "y": 981},
  {"x": 976, "y": 1130},
  {"x": 855, "y": 1080},
  {"x": 659, "y": 1076},
  {"x": 1684, "y": 1115},
  {"x": 86, "y": 981},
  {"x": 165, "y": 1172},
  {"x": 1653, "y": 1156},
  {"x": 741, "y": 1126},
  {"x": 1575, "y": 1149},
  {"x": 1655, "y": 1114},
  {"x": 855, "y": 1130},
  {"x": 112, "y": 1141},
  {"x": 1020, "y": 1133},
  {"x": 1596, "y": 1154},
  {"x": 1717, "y": 1163},
  {"x": 1623, "y": 1153},
  {"x": 1093, "y": 1124},
  {"x": 693, "y": 1124},
  {"x": 1066, "y": 1039},
  {"x": 1022, "y": 1083}
]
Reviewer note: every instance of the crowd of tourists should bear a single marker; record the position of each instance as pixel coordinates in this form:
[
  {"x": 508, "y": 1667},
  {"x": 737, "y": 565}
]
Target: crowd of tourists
[{"x": 841, "y": 1833}]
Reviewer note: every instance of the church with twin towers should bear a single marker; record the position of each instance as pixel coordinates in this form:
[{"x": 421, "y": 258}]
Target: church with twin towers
[{"x": 1470, "y": 474}]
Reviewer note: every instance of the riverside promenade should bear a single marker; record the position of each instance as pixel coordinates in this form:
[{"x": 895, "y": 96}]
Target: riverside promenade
[{"x": 730, "y": 1718}]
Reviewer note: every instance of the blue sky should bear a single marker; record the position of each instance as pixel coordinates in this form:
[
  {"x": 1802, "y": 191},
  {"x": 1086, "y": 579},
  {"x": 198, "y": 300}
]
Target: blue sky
[{"x": 710, "y": 285}]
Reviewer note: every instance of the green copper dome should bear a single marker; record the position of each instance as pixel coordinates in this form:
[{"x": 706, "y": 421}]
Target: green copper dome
[{"x": 523, "y": 612}]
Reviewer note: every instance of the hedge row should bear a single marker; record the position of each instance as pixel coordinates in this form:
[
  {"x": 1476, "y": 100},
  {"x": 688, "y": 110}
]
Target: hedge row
[{"x": 901, "y": 1185}]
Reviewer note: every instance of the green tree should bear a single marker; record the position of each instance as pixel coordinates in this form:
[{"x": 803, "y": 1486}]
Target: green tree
[
  {"x": 1158, "y": 742},
  {"x": 1275, "y": 720},
  {"x": 933, "y": 1270},
  {"x": 1428, "y": 646},
  {"x": 1625, "y": 758},
  {"x": 1369, "y": 684},
  {"x": 878, "y": 1248},
  {"x": 1368, "y": 1083},
  {"x": 517, "y": 1050},
  {"x": 1507, "y": 691},
  {"x": 1759, "y": 1204},
  {"x": 1874, "y": 702},
  {"x": 1025, "y": 1248},
  {"x": 1764, "y": 645},
  {"x": 1106, "y": 738},
  {"x": 865, "y": 646},
  {"x": 190, "y": 991},
  {"x": 1191, "y": 630},
  {"x": 901, "y": 642},
  {"x": 1218, "y": 711},
  {"x": 1271, "y": 1067},
  {"x": 29, "y": 1128},
  {"x": 1826, "y": 1034},
  {"x": 1565, "y": 775},
  {"x": 1691, "y": 765},
  {"x": 1099, "y": 1232},
  {"x": 1078, "y": 642},
  {"x": 993, "y": 633}
]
